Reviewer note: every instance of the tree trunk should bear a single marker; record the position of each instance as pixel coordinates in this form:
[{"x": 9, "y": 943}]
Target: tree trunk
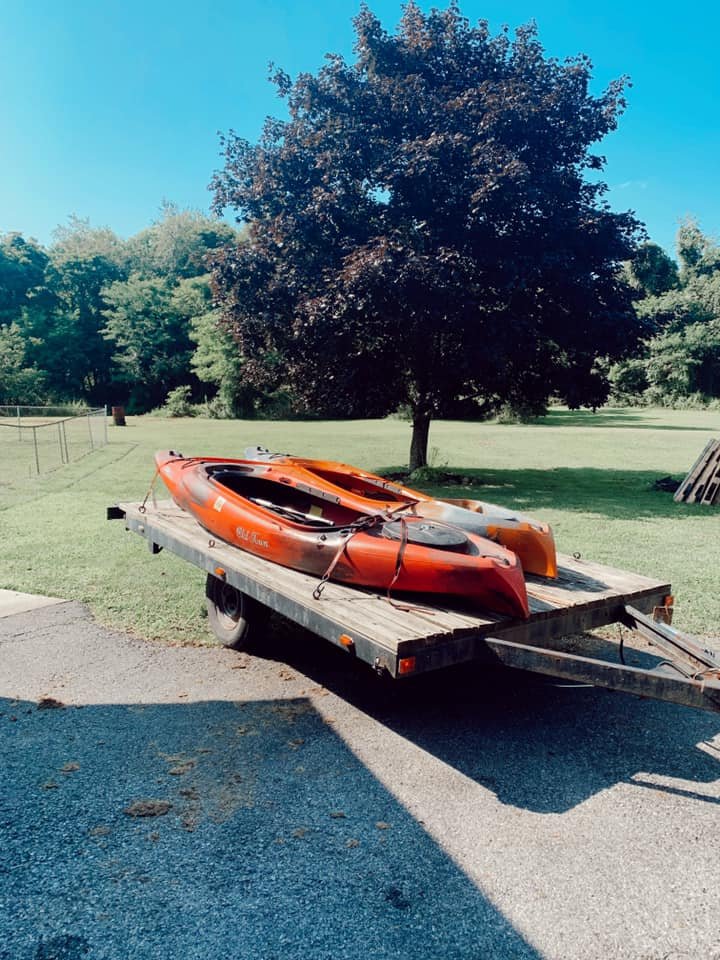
[{"x": 419, "y": 442}]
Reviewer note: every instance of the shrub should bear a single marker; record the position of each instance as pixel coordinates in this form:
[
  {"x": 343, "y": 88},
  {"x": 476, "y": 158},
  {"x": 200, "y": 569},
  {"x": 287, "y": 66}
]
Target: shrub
[{"x": 179, "y": 403}]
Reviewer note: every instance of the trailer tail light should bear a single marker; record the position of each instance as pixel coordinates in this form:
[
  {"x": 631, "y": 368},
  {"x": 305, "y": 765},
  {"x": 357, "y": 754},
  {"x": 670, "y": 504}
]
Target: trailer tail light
[
  {"x": 220, "y": 572},
  {"x": 664, "y": 614},
  {"x": 346, "y": 641},
  {"x": 406, "y": 665}
]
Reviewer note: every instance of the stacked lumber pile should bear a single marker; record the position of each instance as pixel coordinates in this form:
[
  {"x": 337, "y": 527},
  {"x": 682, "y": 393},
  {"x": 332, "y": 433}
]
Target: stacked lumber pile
[{"x": 702, "y": 484}]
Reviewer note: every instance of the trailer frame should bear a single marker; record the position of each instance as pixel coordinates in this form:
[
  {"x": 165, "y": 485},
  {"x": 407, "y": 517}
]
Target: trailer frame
[{"x": 403, "y": 638}]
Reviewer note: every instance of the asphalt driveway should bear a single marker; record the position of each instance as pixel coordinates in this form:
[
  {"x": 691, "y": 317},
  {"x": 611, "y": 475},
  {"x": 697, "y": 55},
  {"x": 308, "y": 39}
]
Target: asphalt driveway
[{"x": 189, "y": 803}]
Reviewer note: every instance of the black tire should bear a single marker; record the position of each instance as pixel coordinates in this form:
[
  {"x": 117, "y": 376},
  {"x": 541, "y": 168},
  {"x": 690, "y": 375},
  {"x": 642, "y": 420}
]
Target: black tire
[{"x": 234, "y": 617}]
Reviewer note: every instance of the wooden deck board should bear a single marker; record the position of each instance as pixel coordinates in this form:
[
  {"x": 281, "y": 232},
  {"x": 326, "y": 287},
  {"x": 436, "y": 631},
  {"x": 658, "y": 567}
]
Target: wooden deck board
[{"x": 584, "y": 595}]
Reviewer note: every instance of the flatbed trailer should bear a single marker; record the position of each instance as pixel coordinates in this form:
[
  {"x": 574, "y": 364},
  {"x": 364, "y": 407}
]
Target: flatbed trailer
[{"x": 403, "y": 638}]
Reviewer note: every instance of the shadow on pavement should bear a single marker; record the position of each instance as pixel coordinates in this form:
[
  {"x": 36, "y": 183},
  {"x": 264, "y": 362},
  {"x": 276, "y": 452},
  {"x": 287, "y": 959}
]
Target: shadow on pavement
[
  {"x": 263, "y": 837},
  {"x": 537, "y": 744}
]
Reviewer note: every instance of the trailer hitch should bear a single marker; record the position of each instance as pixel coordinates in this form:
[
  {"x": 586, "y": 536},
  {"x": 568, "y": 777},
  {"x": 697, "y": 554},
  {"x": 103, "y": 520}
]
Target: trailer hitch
[{"x": 703, "y": 659}]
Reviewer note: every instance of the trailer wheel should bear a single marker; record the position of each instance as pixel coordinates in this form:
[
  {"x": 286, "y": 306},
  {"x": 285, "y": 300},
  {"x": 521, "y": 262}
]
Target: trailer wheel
[{"x": 232, "y": 615}]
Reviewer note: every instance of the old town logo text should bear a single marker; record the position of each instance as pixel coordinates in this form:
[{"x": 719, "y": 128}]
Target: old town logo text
[{"x": 249, "y": 536}]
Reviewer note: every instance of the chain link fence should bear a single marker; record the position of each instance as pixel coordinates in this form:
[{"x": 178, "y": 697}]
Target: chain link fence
[{"x": 36, "y": 440}]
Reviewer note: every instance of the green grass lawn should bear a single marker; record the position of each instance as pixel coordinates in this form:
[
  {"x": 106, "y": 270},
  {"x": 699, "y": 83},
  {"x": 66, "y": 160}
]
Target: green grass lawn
[{"x": 589, "y": 475}]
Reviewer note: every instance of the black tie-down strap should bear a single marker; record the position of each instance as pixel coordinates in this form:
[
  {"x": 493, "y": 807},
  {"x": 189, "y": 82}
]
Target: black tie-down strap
[{"x": 365, "y": 523}]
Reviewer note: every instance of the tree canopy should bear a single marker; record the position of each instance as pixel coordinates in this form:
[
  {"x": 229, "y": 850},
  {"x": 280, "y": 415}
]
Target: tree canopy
[
  {"x": 422, "y": 227},
  {"x": 22, "y": 271},
  {"x": 680, "y": 362}
]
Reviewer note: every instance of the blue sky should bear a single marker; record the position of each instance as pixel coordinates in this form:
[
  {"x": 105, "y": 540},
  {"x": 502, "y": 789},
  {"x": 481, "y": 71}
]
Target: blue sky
[{"x": 107, "y": 109}]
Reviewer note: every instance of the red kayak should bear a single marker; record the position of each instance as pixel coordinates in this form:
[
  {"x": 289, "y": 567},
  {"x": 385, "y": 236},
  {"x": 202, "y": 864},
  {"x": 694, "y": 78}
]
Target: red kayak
[
  {"x": 266, "y": 509},
  {"x": 530, "y": 539}
]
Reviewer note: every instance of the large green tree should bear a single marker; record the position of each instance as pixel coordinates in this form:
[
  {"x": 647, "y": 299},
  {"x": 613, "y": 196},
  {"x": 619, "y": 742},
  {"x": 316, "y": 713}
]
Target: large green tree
[{"x": 422, "y": 228}]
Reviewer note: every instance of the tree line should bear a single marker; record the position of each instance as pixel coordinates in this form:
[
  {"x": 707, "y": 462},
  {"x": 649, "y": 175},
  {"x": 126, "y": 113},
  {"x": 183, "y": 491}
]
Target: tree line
[
  {"x": 97, "y": 319},
  {"x": 101, "y": 320}
]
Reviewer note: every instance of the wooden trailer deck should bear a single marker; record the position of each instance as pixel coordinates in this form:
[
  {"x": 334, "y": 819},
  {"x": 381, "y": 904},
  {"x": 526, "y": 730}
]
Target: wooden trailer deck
[
  {"x": 406, "y": 637},
  {"x": 585, "y": 594}
]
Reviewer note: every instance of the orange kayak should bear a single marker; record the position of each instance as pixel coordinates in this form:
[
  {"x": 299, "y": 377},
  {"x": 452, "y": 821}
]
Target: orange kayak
[
  {"x": 269, "y": 509},
  {"x": 530, "y": 539}
]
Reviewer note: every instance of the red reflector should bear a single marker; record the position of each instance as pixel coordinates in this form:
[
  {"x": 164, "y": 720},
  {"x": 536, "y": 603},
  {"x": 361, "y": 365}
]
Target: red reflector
[
  {"x": 345, "y": 640},
  {"x": 219, "y": 572},
  {"x": 406, "y": 665},
  {"x": 669, "y": 600}
]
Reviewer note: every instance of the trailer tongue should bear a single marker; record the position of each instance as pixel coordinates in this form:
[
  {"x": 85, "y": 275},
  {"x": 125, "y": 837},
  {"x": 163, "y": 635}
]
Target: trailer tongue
[{"x": 404, "y": 640}]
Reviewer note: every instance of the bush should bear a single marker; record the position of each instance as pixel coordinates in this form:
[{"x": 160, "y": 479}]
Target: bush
[
  {"x": 216, "y": 409},
  {"x": 518, "y": 413},
  {"x": 403, "y": 412},
  {"x": 654, "y": 397},
  {"x": 179, "y": 403}
]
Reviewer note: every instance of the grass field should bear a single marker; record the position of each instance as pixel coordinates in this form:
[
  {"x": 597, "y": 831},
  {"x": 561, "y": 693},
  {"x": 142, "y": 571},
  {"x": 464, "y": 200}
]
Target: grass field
[{"x": 589, "y": 475}]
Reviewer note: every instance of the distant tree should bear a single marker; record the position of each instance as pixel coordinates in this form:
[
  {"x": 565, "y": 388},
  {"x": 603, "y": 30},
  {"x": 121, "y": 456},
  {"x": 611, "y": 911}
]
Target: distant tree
[
  {"x": 149, "y": 315},
  {"x": 178, "y": 244},
  {"x": 71, "y": 346},
  {"x": 422, "y": 230},
  {"x": 685, "y": 362},
  {"x": 78, "y": 240},
  {"x": 19, "y": 381},
  {"x": 62, "y": 307},
  {"x": 62, "y": 318},
  {"x": 216, "y": 362},
  {"x": 692, "y": 245},
  {"x": 682, "y": 357},
  {"x": 148, "y": 321},
  {"x": 22, "y": 273},
  {"x": 628, "y": 380},
  {"x": 653, "y": 270},
  {"x": 23, "y": 295}
]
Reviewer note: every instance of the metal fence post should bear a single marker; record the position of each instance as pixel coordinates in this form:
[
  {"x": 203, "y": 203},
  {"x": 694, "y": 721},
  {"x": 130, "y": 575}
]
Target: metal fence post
[
  {"x": 60, "y": 444},
  {"x": 37, "y": 458},
  {"x": 92, "y": 445},
  {"x": 105, "y": 420},
  {"x": 67, "y": 455}
]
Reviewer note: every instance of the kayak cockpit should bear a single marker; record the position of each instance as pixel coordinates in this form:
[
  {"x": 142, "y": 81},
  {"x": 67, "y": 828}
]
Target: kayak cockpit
[
  {"x": 367, "y": 487},
  {"x": 296, "y": 503}
]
